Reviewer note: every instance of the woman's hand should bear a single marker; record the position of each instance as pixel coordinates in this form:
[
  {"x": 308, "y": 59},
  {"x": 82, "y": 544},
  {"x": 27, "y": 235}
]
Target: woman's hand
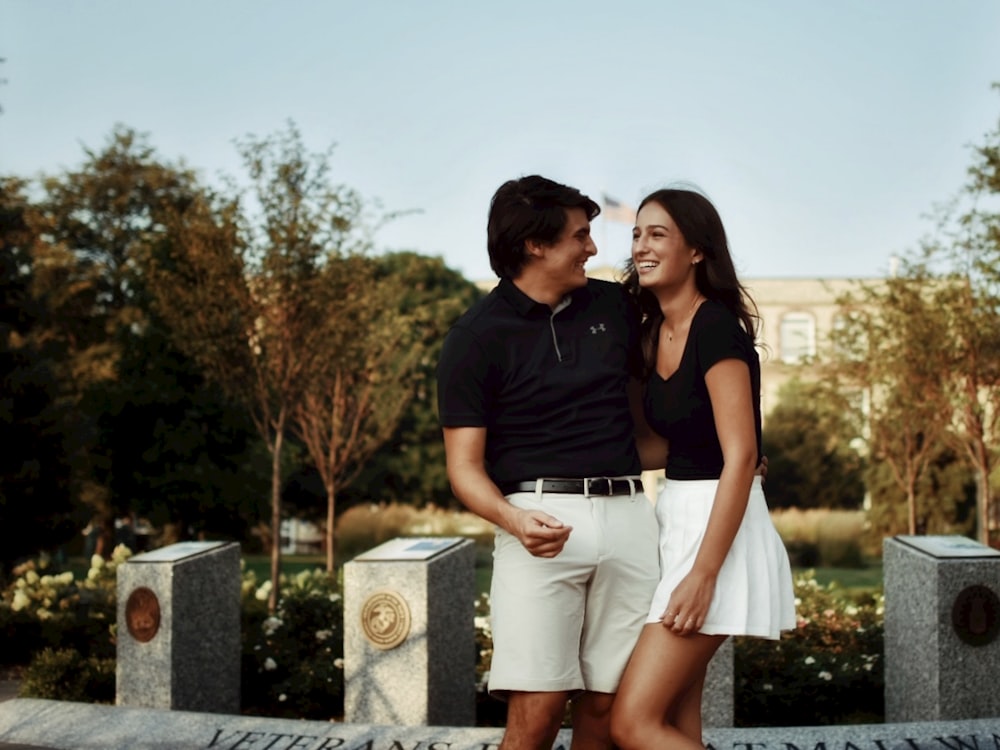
[{"x": 688, "y": 605}]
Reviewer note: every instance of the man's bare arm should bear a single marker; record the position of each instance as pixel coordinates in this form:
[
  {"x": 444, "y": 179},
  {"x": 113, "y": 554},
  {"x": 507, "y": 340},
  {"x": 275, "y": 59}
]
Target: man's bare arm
[{"x": 465, "y": 448}]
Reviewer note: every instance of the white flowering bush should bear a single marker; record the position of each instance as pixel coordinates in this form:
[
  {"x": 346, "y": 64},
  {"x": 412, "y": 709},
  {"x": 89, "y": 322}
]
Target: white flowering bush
[
  {"x": 293, "y": 660},
  {"x": 829, "y": 670},
  {"x": 47, "y": 609},
  {"x": 60, "y": 630},
  {"x": 490, "y": 712}
]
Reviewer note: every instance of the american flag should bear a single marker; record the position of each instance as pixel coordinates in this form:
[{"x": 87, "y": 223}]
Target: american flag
[{"x": 615, "y": 210}]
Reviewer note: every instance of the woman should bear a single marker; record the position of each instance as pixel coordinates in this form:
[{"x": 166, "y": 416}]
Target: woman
[{"x": 723, "y": 568}]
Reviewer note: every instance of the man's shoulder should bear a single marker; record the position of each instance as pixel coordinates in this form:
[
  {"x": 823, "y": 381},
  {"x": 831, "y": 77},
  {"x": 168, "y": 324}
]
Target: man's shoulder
[
  {"x": 601, "y": 297},
  {"x": 599, "y": 292},
  {"x": 605, "y": 287},
  {"x": 483, "y": 314}
]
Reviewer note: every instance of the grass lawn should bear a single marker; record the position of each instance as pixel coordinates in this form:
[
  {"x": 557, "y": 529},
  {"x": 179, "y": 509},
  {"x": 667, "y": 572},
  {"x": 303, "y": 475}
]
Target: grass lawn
[
  {"x": 292, "y": 564},
  {"x": 869, "y": 577},
  {"x": 852, "y": 579},
  {"x": 259, "y": 564}
]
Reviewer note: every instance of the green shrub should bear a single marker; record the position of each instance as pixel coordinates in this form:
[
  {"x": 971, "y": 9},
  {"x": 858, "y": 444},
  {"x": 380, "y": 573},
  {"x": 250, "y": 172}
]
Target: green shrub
[
  {"x": 46, "y": 608},
  {"x": 840, "y": 553},
  {"x": 66, "y": 675},
  {"x": 802, "y": 554},
  {"x": 821, "y": 537},
  {"x": 490, "y": 711},
  {"x": 293, "y": 661},
  {"x": 829, "y": 670}
]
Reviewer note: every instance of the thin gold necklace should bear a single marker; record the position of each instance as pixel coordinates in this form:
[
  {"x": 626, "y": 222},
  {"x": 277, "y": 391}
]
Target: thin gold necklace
[{"x": 690, "y": 313}]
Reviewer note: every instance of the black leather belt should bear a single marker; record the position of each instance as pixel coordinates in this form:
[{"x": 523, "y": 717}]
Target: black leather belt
[{"x": 604, "y": 486}]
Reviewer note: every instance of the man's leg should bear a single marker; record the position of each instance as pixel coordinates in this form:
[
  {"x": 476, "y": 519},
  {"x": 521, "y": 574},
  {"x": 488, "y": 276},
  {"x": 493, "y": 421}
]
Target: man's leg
[
  {"x": 592, "y": 721},
  {"x": 533, "y": 720}
]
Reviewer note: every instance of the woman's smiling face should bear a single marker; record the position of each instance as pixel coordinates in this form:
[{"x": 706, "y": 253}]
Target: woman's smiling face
[{"x": 661, "y": 255}]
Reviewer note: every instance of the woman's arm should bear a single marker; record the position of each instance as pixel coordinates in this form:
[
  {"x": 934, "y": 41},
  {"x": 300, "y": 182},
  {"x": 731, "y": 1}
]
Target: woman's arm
[{"x": 729, "y": 389}]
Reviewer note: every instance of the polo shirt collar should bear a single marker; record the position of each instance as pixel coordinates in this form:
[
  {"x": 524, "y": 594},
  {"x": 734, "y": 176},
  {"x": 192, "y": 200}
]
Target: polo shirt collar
[{"x": 523, "y": 304}]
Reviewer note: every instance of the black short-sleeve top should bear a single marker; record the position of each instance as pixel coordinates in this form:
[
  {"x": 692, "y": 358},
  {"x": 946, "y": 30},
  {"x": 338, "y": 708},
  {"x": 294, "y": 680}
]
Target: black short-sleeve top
[
  {"x": 548, "y": 384},
  {"x": 679, "y": 407}
]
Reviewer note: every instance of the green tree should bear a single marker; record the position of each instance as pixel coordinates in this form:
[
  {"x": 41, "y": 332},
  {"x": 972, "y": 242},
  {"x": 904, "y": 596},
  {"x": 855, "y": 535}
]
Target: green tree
[
  {"x": 248, "y": 291},
  {"x": 35, "y": 506},
  {"x": 946, "y": 499},
  {"x": 363, "y": 378},
  {"x": 926, "y": 347},
  {"x": 97, "y": 221},
  {"x": 410, "y": 466},
  {"x": 964, "y": 257},
  {"x": 148, "y": 433},
  {"x": 808, "y": 438},
  {"x": 888, "y": 347},
  {"x": 183, "y": 453}
]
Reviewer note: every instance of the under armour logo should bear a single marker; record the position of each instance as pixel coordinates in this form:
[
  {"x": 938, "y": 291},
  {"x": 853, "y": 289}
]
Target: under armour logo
[{"x": 598, "y": 328}]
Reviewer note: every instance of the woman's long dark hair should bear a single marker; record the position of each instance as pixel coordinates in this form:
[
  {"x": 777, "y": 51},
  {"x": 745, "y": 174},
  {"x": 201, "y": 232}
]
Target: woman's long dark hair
[{"x": 715, "y": 276}]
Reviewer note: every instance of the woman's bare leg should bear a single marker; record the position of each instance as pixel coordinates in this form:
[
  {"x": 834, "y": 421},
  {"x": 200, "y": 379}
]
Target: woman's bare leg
[{"x": 659, "y": 699}]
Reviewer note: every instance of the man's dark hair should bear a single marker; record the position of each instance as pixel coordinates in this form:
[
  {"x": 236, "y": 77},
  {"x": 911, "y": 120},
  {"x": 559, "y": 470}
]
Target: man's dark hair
[{"x": 529, "y": 208}]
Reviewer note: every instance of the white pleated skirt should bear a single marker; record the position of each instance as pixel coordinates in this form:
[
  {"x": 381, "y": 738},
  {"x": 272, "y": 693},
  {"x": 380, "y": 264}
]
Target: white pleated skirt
[{"x": 753, "y": 591}]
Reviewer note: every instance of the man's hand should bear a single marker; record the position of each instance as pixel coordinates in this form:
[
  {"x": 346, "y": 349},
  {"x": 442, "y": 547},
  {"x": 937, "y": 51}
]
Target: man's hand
[
  {"x": 541, "y": 534},
  {"x": 761, "y": 469}
]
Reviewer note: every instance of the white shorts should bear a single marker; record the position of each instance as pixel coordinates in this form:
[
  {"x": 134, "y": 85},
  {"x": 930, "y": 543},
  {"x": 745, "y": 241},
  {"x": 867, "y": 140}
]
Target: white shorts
[
  {"x": 570, "y": 622},
  {"x": 753, "y": 592}
]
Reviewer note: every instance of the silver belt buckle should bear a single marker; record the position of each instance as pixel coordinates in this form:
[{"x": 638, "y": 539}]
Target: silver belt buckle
[{"x": 588, "y": 480}]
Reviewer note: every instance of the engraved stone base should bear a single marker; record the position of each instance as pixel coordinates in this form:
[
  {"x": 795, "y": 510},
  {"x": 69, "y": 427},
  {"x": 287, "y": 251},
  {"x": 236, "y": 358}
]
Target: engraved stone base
[
  {"x": 942, "y": 617},
  {"x": 409, "y": 635},
  {"x": 717, "y": 708},
  {"x": 81, "y": 726},
  {"x": 179, "y": 628}
]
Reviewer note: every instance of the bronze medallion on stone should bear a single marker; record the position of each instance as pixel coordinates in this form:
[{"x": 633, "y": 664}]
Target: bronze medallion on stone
[
  {"x": 975, "y": 615},
  {"x": 142, "y": 614},
  {"x": 385, "y": 619}
]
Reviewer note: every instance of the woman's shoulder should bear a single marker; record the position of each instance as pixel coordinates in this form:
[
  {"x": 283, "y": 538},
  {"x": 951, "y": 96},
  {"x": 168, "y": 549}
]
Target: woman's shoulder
[
  {"x": 713, "y": 313},
  {"x": 714, "y": 322}
]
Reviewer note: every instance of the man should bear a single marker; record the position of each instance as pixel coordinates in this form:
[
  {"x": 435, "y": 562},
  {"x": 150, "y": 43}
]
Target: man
[{"x": 533, "y": 388}]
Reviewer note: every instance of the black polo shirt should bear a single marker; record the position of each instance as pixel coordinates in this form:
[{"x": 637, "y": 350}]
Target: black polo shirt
[{"x": 550, "y": 387}]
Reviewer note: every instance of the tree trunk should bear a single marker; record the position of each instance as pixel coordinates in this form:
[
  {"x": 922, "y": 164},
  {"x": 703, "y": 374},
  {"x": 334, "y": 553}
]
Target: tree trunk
[
  {"x": 331, "y": 517},
  {"x": 272, "y": 598},
  {"x": 982, "y": 507},
  {"x": 911, "y": 503}
]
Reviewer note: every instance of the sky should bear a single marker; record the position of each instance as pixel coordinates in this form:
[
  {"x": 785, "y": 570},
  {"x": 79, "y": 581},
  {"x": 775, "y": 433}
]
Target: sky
[{"x": 825, "y": 131}]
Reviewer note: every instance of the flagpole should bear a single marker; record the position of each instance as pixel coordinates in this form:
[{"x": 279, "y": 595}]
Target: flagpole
[{"x": 604, "y": 225}]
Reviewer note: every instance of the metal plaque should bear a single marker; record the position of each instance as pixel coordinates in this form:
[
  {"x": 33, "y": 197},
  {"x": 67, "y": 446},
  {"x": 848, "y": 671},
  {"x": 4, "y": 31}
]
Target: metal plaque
[
  {"x": 409, "y": 548},
  {"x": 142, "y": 614},
  {"x": 948, "y": 546},
  {"x": 975, "y": 615},
  {"x": 385, "y": 619}
]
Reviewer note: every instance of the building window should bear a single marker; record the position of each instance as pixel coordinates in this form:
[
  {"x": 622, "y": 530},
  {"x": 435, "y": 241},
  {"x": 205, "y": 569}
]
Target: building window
[
  {"x": 798, "y": 337},
  {"x": 848, "y": 337}
]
